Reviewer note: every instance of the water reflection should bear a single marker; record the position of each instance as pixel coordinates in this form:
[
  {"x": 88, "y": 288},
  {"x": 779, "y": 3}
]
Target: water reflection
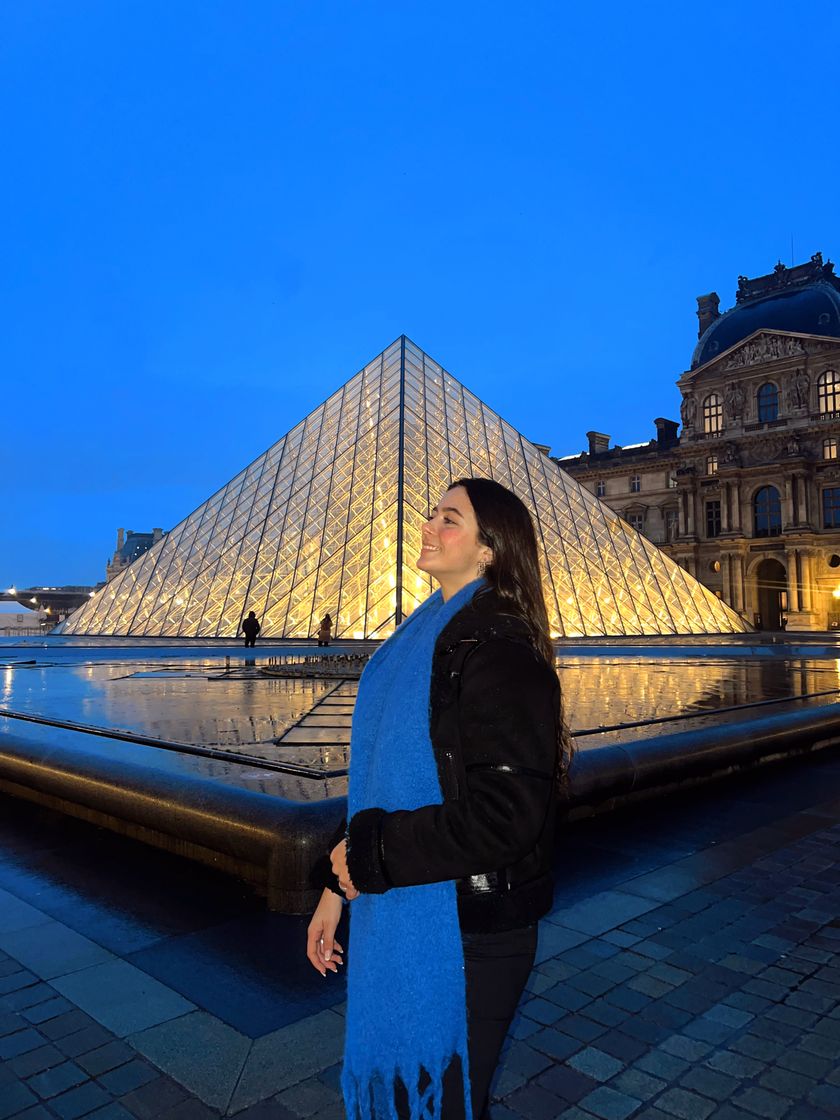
[
  {"x": 193, "y": 703},
  {"x": 306, "y": 721},
  {"x": 605, "y": 692}
]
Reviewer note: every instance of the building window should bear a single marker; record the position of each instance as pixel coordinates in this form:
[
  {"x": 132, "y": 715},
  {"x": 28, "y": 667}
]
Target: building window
[
  {"x": 672, "y": 524},
  {"x": 671, "y": 481},
  {"x": 713, "y": 415},
  {"x": 828, "y": 392},
  {"x": 636, "y": 521},
  {"x": 767, "y": 510},
  {"x": 635, "y": 484},
  {"x": 600, "y": 489},
  {"x": 713, "y": 519},
  {"x": 711, "y": 464},
  {"x": 830, "y": 448},
  {"x": 768, "y": 402},
  {"x": 831, "y": 507}
]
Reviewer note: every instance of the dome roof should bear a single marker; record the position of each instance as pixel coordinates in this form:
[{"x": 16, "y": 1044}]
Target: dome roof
[{"x": 804, "y": 300}]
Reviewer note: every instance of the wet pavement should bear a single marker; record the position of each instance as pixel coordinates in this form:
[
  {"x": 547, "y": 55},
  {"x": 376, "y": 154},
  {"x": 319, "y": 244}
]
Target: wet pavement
[{"x": 688, "y": 970}]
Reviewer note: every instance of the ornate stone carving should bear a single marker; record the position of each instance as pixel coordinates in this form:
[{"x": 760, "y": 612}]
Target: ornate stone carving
[
  {"x": 793, "y": 447},
  {"x": 731, "y": 455},
  {"x": 688, "y": 411},
  {"x": 733, "y": 401},
  {"x": 766, "y": 348},
  {"x": 797, "y": 389},
  {"x": 764, "y": 450}
]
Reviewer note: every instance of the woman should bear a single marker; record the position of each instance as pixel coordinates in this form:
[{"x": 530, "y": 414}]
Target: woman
[{"x": 456, "y": 744}]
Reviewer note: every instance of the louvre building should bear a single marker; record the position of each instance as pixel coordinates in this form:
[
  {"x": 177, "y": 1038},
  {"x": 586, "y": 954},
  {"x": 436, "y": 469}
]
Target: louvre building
[
  {"x": 329, "y": 520},
  {"x": 747, "y": 496}
]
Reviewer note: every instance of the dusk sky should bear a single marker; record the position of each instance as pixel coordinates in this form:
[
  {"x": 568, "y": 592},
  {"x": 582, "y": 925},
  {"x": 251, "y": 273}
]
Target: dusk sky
[{"x": 215, "y": 213}]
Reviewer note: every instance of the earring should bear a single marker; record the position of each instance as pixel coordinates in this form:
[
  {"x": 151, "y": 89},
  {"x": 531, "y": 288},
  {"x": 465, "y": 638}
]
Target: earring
[{"x": 482, "y": 568}]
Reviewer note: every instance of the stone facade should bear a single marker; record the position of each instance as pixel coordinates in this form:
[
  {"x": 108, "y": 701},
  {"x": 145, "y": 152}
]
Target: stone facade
[
  {"x": 130, "y": 545},
  {"x": 747, "y": 498}
]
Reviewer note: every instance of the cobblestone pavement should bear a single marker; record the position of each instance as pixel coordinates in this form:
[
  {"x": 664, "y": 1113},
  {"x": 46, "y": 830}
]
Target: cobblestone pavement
[{"x": 689, "y": 970}]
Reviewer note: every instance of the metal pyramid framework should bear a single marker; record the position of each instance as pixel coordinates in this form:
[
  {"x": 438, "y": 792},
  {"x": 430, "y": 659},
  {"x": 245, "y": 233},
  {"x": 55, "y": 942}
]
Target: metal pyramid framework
[{"x": 329, "y": 520}]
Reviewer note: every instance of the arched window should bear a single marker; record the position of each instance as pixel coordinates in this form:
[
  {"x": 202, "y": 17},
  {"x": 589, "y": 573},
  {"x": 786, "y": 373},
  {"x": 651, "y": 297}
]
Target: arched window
[
  {"x": 828, "y": 392},
  {"x": 713, "y": 414},
  {"x": 767, "y": 509},
  {"x": 768, "y": 402},
  {"x": 711, "y": 464},
  {"x": 829, "y": 446}
]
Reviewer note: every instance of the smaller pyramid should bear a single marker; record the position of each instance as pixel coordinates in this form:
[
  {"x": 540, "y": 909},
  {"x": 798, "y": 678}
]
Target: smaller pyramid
[{"x": 328, "y": 520}]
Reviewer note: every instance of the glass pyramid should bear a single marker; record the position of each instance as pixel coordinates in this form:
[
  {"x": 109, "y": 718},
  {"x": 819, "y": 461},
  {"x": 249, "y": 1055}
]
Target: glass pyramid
[{"x": 329, "y": 518}]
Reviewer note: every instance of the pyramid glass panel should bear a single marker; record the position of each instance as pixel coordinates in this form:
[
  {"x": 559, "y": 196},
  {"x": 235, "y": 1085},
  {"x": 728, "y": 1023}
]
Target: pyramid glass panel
[{"x": 329, "y": 520}]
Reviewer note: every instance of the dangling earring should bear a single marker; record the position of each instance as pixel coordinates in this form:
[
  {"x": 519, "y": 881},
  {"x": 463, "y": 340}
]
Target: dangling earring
[{"x": 482, "y": 568}]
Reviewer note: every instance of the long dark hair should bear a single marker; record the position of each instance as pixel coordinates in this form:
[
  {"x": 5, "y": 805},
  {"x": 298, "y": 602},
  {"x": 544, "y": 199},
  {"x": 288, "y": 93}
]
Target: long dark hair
[{"x": 506, "y": 526}]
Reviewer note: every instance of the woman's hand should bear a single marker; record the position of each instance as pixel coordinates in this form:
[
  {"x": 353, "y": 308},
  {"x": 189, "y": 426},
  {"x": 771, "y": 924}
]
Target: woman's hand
[
  {"x": 338, "y": 858},
  {"x": 322, "y": 950}
]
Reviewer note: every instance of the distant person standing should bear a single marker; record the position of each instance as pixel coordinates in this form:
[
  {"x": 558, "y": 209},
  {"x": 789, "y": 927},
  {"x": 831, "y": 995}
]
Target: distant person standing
[
  {"x": 325, "y": 631},
  {"x": 250, "y": 628}
]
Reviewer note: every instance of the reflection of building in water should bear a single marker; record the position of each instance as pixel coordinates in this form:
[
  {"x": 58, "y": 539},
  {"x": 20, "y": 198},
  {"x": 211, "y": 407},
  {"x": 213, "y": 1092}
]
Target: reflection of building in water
[
  {"x": 598, "y": 692},
  {"x": 232, "y": 714},
  {"x": 747, "y": 497},
  {"x": 329, "y": 520}
]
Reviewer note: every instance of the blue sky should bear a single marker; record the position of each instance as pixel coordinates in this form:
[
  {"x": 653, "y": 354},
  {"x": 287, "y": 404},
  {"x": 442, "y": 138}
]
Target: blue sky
[{"x": 215, "y": 213}]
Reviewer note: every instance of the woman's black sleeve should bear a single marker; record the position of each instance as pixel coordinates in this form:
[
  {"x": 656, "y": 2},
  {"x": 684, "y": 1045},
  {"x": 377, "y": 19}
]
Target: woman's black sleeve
[
  {"x": 322, "y": 873},
  {"x": 508, "y": 712}
]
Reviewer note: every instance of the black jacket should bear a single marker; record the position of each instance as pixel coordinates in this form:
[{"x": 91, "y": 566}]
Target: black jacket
[{"x": 494, "y": 711}]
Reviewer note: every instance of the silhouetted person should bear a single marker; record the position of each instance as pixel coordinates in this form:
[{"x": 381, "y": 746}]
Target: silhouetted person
[
  {"x": 250, "y": 628},
  {"x": 325, "y": 631}
]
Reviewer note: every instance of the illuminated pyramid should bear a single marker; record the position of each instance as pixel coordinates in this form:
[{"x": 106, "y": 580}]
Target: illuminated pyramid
[{"x": 329, "y": 518}]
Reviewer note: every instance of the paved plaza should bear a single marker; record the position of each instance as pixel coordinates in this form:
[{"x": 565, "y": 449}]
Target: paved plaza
[{"x": 689, "y": 970}]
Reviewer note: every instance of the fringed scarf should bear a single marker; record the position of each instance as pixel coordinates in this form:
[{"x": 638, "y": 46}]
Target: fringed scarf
[{"x": 406, "y": 996}]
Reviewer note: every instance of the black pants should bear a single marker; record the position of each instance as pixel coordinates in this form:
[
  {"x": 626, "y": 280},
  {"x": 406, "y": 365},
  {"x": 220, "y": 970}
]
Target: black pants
[
  {"x": 250, "y": 641},
  {"x": 497, "y": 966}
]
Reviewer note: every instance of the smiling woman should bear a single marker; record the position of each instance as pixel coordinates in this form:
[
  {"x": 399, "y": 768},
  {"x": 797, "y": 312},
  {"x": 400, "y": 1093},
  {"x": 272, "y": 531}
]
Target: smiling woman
[
  {"x": 456, "y": 747},
  {"x": 452, "y": 551}
]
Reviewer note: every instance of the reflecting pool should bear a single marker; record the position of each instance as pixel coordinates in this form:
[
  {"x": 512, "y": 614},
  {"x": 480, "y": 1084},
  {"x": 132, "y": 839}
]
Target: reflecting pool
[{"x": 228, "y": 705}]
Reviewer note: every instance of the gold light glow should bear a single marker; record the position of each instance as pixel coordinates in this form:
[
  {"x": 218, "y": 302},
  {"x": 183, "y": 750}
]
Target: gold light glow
[{"x": 311, "y": 527}]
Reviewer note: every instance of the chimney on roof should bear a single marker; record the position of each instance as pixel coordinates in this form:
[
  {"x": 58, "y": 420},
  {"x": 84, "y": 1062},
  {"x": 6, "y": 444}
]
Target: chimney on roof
[
  {"x": 598, "y": 442},
  {"x": 156, "y": 535},
  {"x": 666, "y": 433},
  {"x": 120, "y": 538},
  {"x": 708, "y": 309}
]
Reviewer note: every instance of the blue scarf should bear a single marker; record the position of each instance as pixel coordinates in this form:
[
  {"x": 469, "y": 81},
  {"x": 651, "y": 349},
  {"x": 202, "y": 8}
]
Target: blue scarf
[{"x": 406, "y": 995}]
